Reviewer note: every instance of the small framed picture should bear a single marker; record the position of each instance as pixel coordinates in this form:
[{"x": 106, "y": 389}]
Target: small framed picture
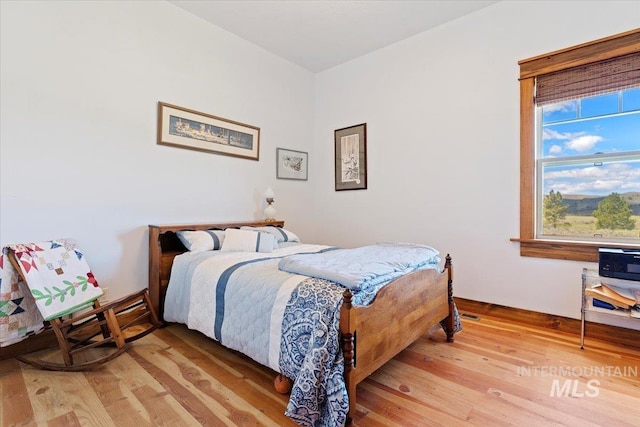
[
  {"x": 292, "y": 164},
  {"x": 351, "y": 158}
]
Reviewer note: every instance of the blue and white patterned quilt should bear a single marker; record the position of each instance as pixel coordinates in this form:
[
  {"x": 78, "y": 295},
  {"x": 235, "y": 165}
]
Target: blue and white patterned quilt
[{"x": 285, "y": 321}]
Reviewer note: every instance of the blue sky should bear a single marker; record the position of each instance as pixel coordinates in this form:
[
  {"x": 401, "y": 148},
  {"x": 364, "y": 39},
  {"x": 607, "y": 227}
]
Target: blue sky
[{"x": 602, "y": 124}]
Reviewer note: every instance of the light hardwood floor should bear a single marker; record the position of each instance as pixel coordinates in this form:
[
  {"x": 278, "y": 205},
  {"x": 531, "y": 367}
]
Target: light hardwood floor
[{"x": 497, "y": 372}]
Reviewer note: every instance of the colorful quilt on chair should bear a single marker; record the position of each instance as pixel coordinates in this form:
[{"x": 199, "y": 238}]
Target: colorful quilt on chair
[
  {"x": 59, "y": 282},
  {"x": 19, "y": 316}
]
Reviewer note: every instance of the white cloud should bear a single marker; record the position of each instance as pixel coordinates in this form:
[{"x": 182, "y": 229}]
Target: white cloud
[
  {"x": 577, "y": 141},
  {"x": 555, "y": 149},
  {"x": 602, "y": 180},
  {"x": 583, "y": 143},
  {"x": 561, "y": 106},
  {"x": 552, "y": 134}
]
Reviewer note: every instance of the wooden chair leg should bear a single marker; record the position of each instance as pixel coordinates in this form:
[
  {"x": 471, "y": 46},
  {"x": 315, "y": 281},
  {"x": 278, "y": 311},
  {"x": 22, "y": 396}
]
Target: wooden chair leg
[
  {"x": 62, "y": 342},
  {"x": 154, "y": 316},
  {"x": 103, "y": 327},
  {"x": 114, "y": 328}
]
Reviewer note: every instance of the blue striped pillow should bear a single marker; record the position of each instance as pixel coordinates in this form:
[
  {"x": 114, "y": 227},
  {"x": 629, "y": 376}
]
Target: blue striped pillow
[
  {"x": 280, "y": 233},
  {"x": 204, "y": 240}
]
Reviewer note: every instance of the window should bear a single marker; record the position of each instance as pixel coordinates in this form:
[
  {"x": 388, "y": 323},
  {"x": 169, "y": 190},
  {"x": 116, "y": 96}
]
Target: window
[
  {"x": 580, "y": 149},
  {"x": 588, "y": 168}
]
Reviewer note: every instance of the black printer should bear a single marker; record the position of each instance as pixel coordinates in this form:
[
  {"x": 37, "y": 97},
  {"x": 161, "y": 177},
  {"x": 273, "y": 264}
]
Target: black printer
[{"x": 619, "y": 263}]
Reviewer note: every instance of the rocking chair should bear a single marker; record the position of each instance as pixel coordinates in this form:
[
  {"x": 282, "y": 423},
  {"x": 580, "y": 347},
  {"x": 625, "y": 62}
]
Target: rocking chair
[{"x": 113, "y": 325}]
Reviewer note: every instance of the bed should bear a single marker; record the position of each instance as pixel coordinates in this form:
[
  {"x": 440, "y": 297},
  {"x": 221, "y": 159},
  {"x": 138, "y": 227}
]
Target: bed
[{"x": 368, "y": 334}]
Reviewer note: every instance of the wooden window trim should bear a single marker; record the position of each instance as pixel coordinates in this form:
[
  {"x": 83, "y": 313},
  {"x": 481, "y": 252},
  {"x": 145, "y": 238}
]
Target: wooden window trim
[{"x": 586, "y": 53}]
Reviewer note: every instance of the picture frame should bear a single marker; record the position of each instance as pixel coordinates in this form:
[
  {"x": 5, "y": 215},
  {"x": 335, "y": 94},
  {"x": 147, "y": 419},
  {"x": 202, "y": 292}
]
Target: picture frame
[
  {"x": 185, "y": 128},
  {"x": 351, "y": 158},
  {"x": 292, "y": 164}
]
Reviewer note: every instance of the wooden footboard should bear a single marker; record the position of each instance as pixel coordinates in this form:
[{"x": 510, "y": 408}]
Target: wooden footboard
[{"x": 403, "y": 310}]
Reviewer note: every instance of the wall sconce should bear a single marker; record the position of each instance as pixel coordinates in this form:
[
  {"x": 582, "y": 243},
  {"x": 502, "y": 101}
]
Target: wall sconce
[{"x": 269, "y": 211}]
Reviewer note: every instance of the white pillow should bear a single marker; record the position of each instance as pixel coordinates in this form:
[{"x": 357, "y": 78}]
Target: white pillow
[
  {"x": 280, "y": 233},
  {"x": 199, "y": 241},
  {"x": 236, "y": 240}
]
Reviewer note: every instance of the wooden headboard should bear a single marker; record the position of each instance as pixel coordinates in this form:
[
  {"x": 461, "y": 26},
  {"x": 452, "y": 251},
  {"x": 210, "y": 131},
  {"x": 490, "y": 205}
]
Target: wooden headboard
[{"x": 164, "y": 245}]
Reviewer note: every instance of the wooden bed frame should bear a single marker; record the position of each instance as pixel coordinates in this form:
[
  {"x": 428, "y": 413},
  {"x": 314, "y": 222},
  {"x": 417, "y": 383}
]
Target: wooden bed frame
[{"x": 403, "y": 310}]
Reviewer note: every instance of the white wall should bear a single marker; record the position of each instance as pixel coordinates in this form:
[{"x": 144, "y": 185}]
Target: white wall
[
  {"x": 80, "y": 83},
  {"x": 442, "y": 111}
]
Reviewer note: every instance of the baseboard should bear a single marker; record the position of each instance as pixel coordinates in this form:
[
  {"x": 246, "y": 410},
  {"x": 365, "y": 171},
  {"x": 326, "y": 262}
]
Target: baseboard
[
  {"x": 599, "y": 331},
  {"x": 45, "y": 339}
]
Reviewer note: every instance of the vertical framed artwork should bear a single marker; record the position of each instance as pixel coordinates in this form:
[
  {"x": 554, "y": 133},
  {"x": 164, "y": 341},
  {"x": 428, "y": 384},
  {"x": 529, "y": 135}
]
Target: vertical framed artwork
[
  {"x": 292, "y": 164},
  {"x": 351, "y": 157},
  {"x": 185, "y": 128}
]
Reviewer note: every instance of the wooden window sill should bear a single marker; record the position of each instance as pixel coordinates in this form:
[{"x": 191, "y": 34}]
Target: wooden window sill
[{"x": 557, "y": 249}]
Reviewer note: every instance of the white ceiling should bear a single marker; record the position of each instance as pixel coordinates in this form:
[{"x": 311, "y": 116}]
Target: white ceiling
[{"x": 318, "y": 35}]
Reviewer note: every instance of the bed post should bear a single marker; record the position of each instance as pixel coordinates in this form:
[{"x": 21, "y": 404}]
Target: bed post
[
  {"x": 450, "y": 324},
  {"x": 155, "y": 250},
  {"x": 348, "y": 351}
]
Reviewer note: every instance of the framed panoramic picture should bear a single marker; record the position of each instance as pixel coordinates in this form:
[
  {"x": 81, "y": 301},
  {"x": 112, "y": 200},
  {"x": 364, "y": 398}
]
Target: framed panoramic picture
[
  {"x": 292, "y": 164},
  {"x": 351, "y": 157},
  {"x": 185, "y": 128}
]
